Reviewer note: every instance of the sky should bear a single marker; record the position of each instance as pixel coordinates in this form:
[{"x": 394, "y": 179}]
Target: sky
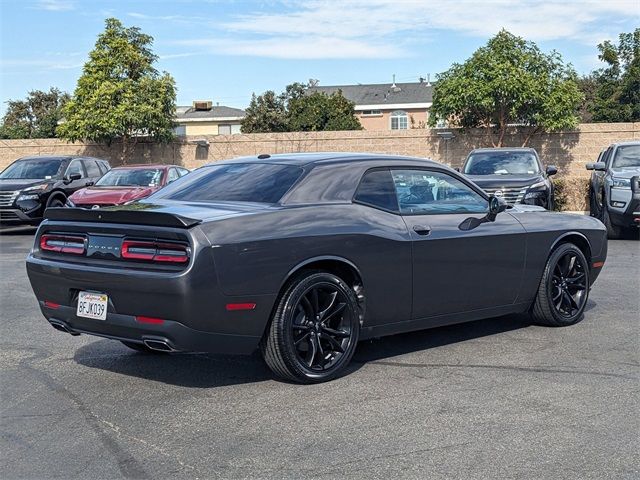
[{"x": 224, "y": 50}]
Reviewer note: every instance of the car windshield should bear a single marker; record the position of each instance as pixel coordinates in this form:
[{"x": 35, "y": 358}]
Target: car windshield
[
  {"x": 502, "y": 163},
  {"x": 627, "y": 156},
  {"x": 131, "y": 177},
  {"x": 40, "y": 169},
  {"x": 238, "y": 182}
]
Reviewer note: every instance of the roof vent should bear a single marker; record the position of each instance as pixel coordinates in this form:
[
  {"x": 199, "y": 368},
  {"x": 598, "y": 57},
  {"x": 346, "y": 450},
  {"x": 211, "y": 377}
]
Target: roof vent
[
  {"x": 394, "y": 88},
  {"x": 202, "y": 105}
]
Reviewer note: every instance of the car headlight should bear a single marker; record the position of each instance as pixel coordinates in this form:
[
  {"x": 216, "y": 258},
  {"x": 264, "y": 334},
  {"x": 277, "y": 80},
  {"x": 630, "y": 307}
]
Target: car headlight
[
  {"x": 621, "y": 182},
  {"x": 32, "y": 196},
  {"x": 36, "y": 188},
  {"x": 537, "y": 186}
]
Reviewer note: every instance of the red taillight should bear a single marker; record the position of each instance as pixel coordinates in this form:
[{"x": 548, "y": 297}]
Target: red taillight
[
  {"x": 154, "y": 251},
  {"x": 598, "y": 264},
  {"x": 240, "y": 306},
  {"x": 151, "y": 320},
  {"x": 53, "y": 305},
  {"x": 62, "y": 243}
]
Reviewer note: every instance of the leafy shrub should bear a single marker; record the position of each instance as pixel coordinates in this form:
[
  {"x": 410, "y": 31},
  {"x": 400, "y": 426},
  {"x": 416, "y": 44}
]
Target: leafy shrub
[{"x": 571, "y": 194}]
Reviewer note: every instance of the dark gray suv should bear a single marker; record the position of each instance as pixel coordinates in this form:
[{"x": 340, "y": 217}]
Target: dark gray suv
[{"x": 614, "y": 191}]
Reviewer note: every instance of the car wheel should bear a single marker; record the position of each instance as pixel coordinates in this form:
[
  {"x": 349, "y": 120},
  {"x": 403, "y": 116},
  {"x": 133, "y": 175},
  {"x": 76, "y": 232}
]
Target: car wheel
[
  {"x": 613, "y": 231},
  {"x": 594, "y": 211},
  {"x": 55, "y": 203},
  {"x": 139, "y": 347},
  {"x": 564, "y": 288},
  {"x": 314, "y": 329}
]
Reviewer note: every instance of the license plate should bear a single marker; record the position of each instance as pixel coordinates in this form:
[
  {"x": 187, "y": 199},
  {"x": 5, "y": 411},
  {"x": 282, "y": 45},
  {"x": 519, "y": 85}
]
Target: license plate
[{"x": 92, "y": 305}]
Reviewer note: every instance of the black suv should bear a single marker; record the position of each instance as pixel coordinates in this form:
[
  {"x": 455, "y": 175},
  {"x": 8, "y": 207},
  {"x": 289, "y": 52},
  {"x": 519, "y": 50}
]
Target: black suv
[
  {"x": 515, "y": 174},
  {"x": 31, "y": 184}
]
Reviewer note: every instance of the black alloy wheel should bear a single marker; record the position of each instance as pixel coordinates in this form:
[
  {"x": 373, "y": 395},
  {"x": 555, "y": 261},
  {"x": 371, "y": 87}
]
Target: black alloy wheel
[
  {"x": 564, "y": 287},
  {"x": 315, "y": 329},
  {"x": 568, "y": 285}
]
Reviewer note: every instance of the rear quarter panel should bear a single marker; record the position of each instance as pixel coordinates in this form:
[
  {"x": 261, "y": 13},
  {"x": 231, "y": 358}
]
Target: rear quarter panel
[{"x": 256, "y": 254}]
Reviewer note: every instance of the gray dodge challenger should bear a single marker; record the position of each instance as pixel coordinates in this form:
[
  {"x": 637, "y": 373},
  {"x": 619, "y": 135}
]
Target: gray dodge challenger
[{"x": 303, "y": 255}]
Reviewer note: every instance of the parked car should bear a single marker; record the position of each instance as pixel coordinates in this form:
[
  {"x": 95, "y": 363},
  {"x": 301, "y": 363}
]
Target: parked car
[
  {"x": 614, "y": 189},
  {"x": 31, "y": 184},
  {"x": 515, "y": 174},
  {"x": 302, "y": 255},
  {"x": 126, "y": 184}
]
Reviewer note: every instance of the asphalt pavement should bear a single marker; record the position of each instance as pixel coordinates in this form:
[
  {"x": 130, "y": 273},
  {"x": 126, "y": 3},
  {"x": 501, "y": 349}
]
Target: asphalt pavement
[{"x": 498, "y": 398}]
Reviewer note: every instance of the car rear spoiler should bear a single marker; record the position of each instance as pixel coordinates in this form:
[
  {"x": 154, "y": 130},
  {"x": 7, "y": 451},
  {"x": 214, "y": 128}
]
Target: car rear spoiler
[{"x": 136, "y": 217}]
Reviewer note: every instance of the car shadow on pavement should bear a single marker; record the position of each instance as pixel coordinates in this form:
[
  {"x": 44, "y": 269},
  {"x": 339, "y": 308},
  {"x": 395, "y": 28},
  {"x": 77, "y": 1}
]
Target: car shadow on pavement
[{"x": 210, "y": 370}]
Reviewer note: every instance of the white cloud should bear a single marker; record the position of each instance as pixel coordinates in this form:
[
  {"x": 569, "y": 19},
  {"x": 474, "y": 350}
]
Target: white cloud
[
  {"x": 55, "y": 5},
  {"x": 303, "y": 47}
]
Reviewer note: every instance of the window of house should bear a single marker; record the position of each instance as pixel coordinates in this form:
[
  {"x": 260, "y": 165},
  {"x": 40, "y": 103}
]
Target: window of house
[
  {"x": 399, "y": 120},
  {"x": 423, "y": 192},
  {"x": 224, "y": 129},
  {"x": 371, "y": 113}
]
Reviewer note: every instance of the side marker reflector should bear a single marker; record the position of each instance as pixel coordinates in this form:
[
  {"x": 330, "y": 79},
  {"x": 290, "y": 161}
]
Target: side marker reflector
[
  {"x": 598, "y": 264},
  {"x": 240, "y": 306},
  {"x": 151, "y": 320}
]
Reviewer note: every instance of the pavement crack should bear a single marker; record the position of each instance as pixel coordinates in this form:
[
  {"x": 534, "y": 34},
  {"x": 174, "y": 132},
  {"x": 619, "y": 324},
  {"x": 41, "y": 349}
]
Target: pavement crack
[
  {"x": 535, "y": 369},
  {"x": 127, "y": 463}
]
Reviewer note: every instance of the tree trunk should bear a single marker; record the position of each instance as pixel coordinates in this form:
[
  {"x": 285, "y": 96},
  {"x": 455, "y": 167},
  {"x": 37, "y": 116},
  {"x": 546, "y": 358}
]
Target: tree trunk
[
  {"x": 124, "y": 152},
  {"x": 529, "y": 135}
]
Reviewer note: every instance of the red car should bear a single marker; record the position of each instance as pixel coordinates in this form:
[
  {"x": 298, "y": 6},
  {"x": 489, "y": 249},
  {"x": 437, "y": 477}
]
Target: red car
[{"x": 125, "y": 184}]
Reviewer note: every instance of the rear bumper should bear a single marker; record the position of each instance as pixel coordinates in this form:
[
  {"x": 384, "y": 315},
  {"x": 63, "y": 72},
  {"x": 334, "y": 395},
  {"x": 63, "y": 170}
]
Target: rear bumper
[
  {"x": 190, "y": 303},
  {"x": 178, "y": 337}
]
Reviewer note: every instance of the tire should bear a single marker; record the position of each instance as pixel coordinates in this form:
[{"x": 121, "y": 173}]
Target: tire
[
  {"x": 613, "y": 231},
  {"x": 139, "y": 347},
  {"x": 564, "y": 288},
  {"x": 55, "y": 203},
  {"x": 314, "y": 329}
]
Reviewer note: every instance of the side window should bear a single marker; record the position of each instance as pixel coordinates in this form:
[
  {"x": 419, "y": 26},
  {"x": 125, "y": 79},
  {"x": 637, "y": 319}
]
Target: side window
[
  {"x": 426, "y": 192},
  {"x": 75, "y": 167},
  {"x": 607, "y": 155},
  {"x": 173, "y": 175},
  {"x": 183, "y": 171},
  {"x": 92, "y": 168},
  {"x": 376, "y": 189}
]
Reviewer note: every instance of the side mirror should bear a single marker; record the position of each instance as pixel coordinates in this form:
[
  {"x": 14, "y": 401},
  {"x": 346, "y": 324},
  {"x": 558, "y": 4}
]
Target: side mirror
[
  {"x": 551, "y": 170},
  {"x": 589, "y": 166},
  {"x": 496, "y": 205},
  {"x": 600, "y": 166},
  {"x": 70, "y": 178}
]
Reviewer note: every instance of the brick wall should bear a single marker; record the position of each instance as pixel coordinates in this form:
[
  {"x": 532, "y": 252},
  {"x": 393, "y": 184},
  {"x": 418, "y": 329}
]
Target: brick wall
[{"x": 569, "y": 151}]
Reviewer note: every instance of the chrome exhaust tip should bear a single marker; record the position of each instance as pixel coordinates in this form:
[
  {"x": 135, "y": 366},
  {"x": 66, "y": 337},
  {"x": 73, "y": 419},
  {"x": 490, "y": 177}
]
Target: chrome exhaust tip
[{"x": 159, "y": 345}]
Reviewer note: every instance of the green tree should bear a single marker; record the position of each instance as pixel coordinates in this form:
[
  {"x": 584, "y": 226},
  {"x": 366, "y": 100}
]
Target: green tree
[
  {"x": 36, "y": 116},
  {"x": 617, "y": 97},
  {"x": 296, "y": 109},
  {"x": 120, "y": 95},
  {"x": 508, "y": 82}
]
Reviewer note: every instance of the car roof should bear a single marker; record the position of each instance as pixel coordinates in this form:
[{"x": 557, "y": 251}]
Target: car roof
[
  {"x": 316, "y": 158},
  {"x": 504, "y": 149},
  {"x": 627, "y": 142},
  {"x": 145, "y": 165}
]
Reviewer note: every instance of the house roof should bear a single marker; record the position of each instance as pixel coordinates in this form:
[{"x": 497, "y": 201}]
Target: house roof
[
  {"x": 382, "y": 94},
  {"x": 217, "y": 112}
]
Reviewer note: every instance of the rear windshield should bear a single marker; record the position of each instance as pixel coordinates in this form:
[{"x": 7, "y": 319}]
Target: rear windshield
[
  {"x": 627, "y": 156},
  {"x": 41, "y": 169},
  {"x": 239, "y": 182},
  {"x": 134, "y": 177},
  {"x": 502, "y": 163}
]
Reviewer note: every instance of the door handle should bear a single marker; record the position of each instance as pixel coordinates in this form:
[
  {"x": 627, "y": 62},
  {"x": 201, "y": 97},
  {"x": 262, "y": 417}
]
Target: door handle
[{"x": 422, "y": 229}]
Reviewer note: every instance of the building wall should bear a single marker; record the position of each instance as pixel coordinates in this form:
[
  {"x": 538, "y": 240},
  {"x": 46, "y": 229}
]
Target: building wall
[
  {"x": 569, "y": 150},
  {"x": 383, "y": 121},
  {"x": 201, "y": 128}
]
